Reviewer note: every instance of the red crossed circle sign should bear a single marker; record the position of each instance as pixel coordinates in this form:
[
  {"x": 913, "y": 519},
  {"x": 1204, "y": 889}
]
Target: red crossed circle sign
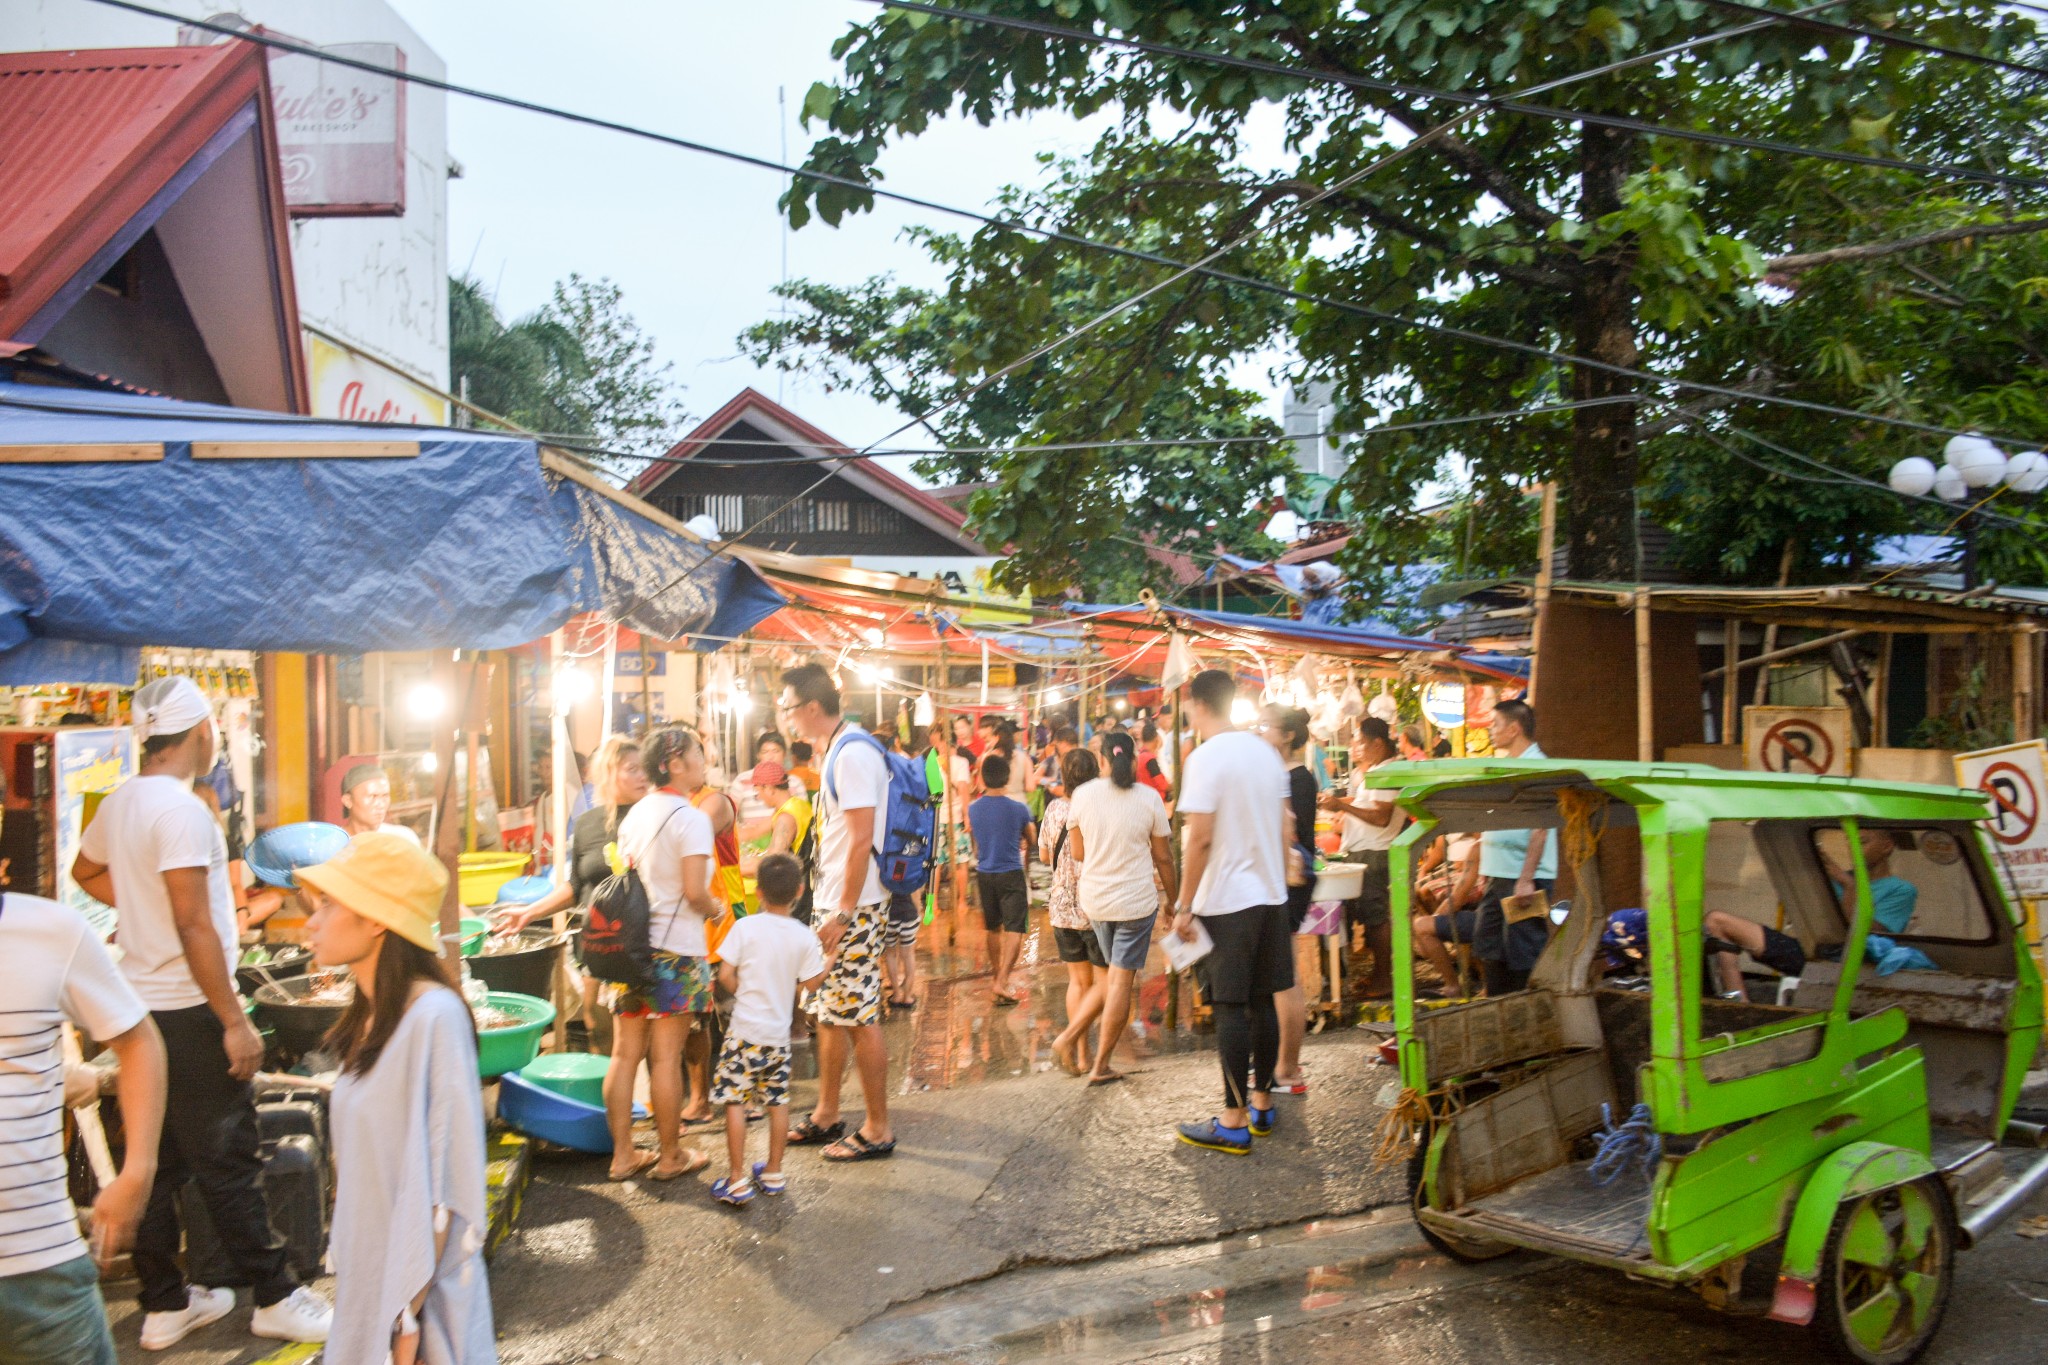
[
  {"x": 1795, "y": 746},
  {"x": 2015, "y": 805}
]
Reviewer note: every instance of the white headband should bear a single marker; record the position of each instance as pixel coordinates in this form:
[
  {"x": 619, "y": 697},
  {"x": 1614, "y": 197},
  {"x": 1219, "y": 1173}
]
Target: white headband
[{"x": 169, "y": 706}]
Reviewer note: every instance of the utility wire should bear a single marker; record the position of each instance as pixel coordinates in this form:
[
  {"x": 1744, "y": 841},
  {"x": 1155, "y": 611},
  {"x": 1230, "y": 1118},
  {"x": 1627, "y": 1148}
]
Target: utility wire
[
  {"x": 1903, "y": 40},
  {"x": 1942, "y": 170},
  {"x": 1066, "y": 238}
]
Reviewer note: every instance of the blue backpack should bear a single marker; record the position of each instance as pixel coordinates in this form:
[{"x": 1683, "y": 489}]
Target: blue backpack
[{"x": 909, "y": 823}]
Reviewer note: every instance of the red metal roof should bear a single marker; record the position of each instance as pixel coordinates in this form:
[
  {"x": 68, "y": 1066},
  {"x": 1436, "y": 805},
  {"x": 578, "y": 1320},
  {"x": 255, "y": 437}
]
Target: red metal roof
[
  {"x": 91, "y": 136},
  {"x": 867, "y": 475}
]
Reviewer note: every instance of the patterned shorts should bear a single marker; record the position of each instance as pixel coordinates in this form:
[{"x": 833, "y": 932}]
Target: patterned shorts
[
  {"x": 682, "y": 985},
  {"x": 751, "y": 1073},
  {"x": 852, "y": 991},
  {"x": 906, "y": 915}
]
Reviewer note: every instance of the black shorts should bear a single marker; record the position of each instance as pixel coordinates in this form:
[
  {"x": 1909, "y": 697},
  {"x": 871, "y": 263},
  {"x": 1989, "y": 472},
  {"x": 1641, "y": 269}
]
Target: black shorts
[
  {"x": 1782, "y": 953},
  {"x": 1079, "y": 945},
  {"x": 1298, "y": 900},
  {"x": 1253, "y": 957},
  {"x": 1495, "y": 940},
  {"x": 1005, "y": 902}
]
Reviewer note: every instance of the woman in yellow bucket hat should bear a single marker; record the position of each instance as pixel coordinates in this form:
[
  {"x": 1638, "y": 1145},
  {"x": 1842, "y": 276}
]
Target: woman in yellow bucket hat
[{"x": 406, "y": 1117}]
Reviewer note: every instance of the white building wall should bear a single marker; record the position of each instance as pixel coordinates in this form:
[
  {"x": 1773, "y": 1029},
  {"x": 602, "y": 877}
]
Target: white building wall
[{"x": 378, "y": 285}]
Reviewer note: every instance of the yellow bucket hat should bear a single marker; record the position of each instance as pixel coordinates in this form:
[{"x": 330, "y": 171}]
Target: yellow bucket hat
[{"x": 388, "y": 879}]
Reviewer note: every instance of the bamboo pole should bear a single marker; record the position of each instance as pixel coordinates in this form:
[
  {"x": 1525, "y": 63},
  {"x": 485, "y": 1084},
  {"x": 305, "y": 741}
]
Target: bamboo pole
[
  {"x": 1772, "y": 656},
  {"x": 2025, "y": 684},
  {"x": 1646, "y": 739},
  {"x": 1731, "y": 656},
  {"x": 1546, "y": 549}
]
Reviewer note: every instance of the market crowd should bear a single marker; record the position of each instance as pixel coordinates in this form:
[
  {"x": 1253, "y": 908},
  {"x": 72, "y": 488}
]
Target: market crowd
[{"x": 776, "y": 887}]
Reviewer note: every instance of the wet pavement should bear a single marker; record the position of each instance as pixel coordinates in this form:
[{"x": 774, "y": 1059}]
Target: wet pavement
[{"x": 1027, "y": 1217}]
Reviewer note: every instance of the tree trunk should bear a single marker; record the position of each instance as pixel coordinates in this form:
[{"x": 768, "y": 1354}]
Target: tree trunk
[{"x": 1600, "y": 475}]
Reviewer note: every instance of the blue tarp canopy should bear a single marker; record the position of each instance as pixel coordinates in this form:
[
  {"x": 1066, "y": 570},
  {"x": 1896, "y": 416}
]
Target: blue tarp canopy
[{"x": 128, "y": 521}]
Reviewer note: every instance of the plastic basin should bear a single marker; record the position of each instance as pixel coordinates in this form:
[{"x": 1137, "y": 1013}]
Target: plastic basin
[
  {"x": 525, "y": 890},
  {"x": 543, "y": 1114},
  {"x": 1339, "y": 882},
  {"x": 500, "y": 1050},
  {"x": 277, "y": 854},
  {"x": 481, "y": 874},
  {"x": 574, "y": 1075},
  {"x": 474, "y": 932},
  {"x": 525, "y": 965}
]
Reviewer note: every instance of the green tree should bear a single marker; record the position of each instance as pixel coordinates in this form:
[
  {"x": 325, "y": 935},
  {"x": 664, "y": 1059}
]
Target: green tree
[
  {"x": 1619, "y": 245},
  {"x": 578, "y": 369},
  {"x": 924, "y": 353}
]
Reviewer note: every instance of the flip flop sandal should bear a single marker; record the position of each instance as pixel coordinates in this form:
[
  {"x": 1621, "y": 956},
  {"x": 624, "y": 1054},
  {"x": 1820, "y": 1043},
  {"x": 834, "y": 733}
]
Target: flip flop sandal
[
  {"x": 805, "y": 1133},
  {"x": 726, "y": 1191},
  {"x": 860, "y": 1149},
  {"x": 770, "y": 1185},
  {"x": 1299, "y": 1087},
  {"x": 1110, "y": 1079},
  {"x": 641, "y": 1162},
  {"x": 1003, "y": 1000},
  {"x": 693, "y": 1162}
]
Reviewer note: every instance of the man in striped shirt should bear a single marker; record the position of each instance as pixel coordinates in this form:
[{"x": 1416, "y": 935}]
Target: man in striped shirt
[{"x": 52, "y": 968}]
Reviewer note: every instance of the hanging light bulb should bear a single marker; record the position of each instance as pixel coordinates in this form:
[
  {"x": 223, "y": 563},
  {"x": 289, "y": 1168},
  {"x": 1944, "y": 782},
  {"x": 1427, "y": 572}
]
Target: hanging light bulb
[
  {"x": 1949, "y": 485},
  {"x": 1979, "y": 462},
  {"x": 2027, "y": 472},
  {"x": 1913, "y": 476},
  {"x": 1242, "y": 712}
]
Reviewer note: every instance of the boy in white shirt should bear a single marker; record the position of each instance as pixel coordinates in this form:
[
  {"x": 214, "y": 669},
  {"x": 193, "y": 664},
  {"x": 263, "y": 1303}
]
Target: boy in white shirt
[{"x": 765, "y": 959}]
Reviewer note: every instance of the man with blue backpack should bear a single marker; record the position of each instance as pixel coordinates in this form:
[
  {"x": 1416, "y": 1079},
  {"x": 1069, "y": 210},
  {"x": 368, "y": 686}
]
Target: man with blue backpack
[{"x": 875, "y": 829}]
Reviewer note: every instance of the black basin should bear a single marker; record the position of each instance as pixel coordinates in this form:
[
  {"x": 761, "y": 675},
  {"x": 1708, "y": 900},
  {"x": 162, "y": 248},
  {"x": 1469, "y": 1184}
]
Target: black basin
[
  {"x": 298, "y": 1027},
  {"x": 528, "y": 967}
]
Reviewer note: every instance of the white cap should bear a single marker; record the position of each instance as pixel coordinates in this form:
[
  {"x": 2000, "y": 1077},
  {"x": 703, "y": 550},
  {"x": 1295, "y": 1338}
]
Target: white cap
[{"x": 169, "y": 706}]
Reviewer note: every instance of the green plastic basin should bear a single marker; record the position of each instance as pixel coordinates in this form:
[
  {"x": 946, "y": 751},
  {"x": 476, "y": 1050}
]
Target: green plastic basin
[
  {"x": 573, "y": 1075},
  {"x": 500, "y": 1050}
]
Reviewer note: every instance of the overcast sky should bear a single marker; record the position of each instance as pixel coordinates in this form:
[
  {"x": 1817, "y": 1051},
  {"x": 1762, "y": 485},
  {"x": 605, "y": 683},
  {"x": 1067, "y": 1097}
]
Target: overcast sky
[{"x": 695, "y": 242}]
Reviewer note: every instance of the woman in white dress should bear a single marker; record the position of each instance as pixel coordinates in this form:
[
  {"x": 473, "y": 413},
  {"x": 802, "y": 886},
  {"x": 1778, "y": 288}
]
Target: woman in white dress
[{"x": 406, "y": 1116}]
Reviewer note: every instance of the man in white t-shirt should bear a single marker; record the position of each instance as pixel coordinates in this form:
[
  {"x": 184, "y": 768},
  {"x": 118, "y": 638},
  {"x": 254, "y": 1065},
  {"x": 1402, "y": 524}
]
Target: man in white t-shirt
[
  {"x": 155, "y": 854},
  {"x": 52, "y": 968},
  {"x": 850, "y": 916},
  {"x": 1368, "y": 824},
  {"x": 366, "y": 803},
  {"x": 1234, "y": 862}
]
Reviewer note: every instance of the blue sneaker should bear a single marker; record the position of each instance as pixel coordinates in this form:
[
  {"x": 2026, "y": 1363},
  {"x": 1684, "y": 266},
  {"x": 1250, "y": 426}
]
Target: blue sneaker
[
  {"x": 1217, "y": 1138},
  {"x": 1262, "y": 1122}
]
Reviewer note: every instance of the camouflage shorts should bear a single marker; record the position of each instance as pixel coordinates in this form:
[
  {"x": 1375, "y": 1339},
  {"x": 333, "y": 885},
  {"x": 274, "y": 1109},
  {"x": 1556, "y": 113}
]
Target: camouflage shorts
[
  {"x": 751, "y": 1073},
  {"x": 852, "y": 991}
]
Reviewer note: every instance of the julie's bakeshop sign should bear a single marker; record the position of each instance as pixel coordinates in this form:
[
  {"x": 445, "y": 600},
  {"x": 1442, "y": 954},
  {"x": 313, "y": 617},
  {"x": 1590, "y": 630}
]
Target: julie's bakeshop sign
[{"x": 340, "y": 130}]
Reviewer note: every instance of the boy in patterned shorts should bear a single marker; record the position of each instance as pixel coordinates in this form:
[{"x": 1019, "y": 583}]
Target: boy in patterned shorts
[{"x": 764, "y": 960}]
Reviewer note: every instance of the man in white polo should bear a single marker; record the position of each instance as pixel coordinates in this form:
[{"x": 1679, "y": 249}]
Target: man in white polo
[{"x": 156, "y": 854}]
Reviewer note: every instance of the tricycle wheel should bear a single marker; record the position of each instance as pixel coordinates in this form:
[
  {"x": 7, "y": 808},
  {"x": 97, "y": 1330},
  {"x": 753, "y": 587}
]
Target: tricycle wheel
[
  {"x": 1886, "y": 1275},
  {"x": 1470, "y": 1250}
]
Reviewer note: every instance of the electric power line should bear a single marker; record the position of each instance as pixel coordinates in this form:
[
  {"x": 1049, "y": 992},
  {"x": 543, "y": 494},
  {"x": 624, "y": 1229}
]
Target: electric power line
[
  {"x": 1943, "y": 170},
  {"x": 1056, "y": 235},
  {"x": 1901, "y": 40}
]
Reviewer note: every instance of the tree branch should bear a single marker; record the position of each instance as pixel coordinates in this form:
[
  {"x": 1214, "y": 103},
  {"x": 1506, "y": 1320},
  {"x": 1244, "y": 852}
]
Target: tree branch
[
  {"x": 1382, "y": 217},
  {"x": 1867, "y": 251}
]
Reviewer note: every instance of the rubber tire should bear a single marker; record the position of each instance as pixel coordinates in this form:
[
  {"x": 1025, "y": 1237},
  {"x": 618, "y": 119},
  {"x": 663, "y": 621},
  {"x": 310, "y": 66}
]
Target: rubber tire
[
  {"x": 1465, "y": 1250},
  {"x": 1829, "y": 1311}
]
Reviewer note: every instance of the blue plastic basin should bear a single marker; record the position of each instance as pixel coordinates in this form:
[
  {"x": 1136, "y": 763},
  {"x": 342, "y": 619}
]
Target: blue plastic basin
[
  {"x": 553, "y": 1118},
  {"x": 276, "y": 855},
  {"x": 525, "y": 890}
]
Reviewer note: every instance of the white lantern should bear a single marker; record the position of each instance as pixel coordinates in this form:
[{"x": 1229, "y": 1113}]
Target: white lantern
[
  {"x": 704, "y": 526},
  {"x": 1913, "y": 476},
  {"x": 1949, "y": 485},
  {"x": 1979, "y": 462},
  {"x": 2027, "y": 472}
]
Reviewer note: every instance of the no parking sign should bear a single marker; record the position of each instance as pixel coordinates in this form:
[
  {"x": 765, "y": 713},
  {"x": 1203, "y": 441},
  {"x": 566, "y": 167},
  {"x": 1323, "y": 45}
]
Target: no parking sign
[
  {"x": 1796, "y": 739},
  {"x": 2015, "y": 777}
]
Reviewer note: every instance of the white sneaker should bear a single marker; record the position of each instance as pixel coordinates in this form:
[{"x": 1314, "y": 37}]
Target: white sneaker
[
  {"x": 304, "y": 1316},
  {"x": 160, "y": 1331}
]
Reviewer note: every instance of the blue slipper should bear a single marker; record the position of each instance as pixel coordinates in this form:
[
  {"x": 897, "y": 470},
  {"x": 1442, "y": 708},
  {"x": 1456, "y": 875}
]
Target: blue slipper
[
  {"x": 1216, "y": 1138},
  {"x": 728, "y": 1192},
  {"x": 1262, "y": 1122},
  {"x": 769, "y": 1184}
]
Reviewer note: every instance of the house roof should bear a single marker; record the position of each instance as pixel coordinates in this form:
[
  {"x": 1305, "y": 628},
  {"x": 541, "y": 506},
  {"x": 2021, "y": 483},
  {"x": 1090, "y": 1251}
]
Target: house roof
[
  {"x": 101, "y": 144},
  {"x": 867, "y": 475}
]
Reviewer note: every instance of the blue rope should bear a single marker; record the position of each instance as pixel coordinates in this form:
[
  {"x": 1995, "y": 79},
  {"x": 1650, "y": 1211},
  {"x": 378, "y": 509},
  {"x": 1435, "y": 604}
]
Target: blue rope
[{"x": 1634, "y": 1142}]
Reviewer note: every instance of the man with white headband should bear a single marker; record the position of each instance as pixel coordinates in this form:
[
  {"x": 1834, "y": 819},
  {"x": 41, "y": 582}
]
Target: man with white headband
[{"x": 155, "y": 853}]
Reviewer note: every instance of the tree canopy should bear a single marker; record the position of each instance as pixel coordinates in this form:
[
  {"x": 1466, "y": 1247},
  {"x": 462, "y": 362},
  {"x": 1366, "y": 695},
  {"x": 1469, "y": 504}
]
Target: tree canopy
[
  {"x": 578, "y": 369},
  {"x": 1612, "y": 233}
]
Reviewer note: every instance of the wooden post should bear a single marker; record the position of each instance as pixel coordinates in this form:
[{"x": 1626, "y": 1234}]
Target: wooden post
[
  {"x": 1546, "y": 548},
  {"x": 2025, "y": 684},
  {"x": 447, "y": 826},
  {"x": 1646, "y": 739},
  {"x": 646, "y": 691},
  {"x": 1731, "y": 654}
]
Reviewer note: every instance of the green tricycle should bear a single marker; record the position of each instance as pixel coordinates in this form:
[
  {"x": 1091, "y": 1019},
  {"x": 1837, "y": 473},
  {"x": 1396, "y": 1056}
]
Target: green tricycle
[{"x": 1816, "y": 1148}]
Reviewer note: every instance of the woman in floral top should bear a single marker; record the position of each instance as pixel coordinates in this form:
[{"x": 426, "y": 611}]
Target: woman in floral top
[{"x": 1072, "y": 931}]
